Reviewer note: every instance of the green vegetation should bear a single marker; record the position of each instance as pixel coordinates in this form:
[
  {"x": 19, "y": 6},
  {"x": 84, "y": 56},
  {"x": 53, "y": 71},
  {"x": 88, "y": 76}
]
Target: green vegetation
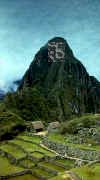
[
  {"x": 46, "y": 94},
  {"x": 36, "y": 151},
  {"x": 34, "y": 139},
  {"x": 61, "y": 176},
  {"x": 29, "y": 104},
  {"x": 57, "y": 137},
  {"x": 76, "y": 124},
  {"x": 37, "y": 154},
  {"x": 10, "y": 124},
  {"x": 84, "y": 172},
  {"x": 62, "y": 139},
  {"x": 6, "y": 168},
  {"x": 13, "y": 150},
  {"x": 89, "y": 172},
  {"x": 68, "y": 163},
  {"x": 81, "y": 132},
  {"x": 47, "y": 152},
  {"x": 42, "y": 172},
  {"x": 30, "y": 147},
  {"x": 52, "y": 166},
  {"x": 27, "y": 163},
  {"x": 24, "y": 177}
]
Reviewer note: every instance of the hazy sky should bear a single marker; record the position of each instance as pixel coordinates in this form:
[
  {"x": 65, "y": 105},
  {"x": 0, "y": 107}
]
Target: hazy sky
[{"x": 26, "y": 25}]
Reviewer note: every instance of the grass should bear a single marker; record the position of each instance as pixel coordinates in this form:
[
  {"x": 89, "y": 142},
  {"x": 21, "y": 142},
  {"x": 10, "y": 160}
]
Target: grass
[
  {"x": 34, "y": 139},
  {"x": 24, "y": 177},
  {"x": 52, "y": 166},
  {"x": 47, "y": 152},
  {"x": 6, "y": 168},
  {"x": 30, "y": 147},
  {"x": 26, "y": 145},
  {"x": 89, "y": 172},
  {"x": 42, "y": 172},
  {"x": 56, "y": 137},
  {"x": 27, "y": 163},
  {"x": 85, "y": 146},
  {"x": 62, "y": 176},
  {"x": 17, "y": 153},
  {"x": 66, "y": 162},
  {"x": 37, "y": 154},
  {"x": 10, "y": 124},
  {"x": 64, "y": 140}
]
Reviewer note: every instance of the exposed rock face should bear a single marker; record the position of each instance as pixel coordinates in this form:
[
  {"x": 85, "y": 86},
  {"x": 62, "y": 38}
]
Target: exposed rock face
[{"x": 63, "y": 79}]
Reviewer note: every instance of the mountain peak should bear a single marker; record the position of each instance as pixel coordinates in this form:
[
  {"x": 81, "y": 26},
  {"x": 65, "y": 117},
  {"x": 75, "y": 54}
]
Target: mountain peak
[
  {"x": 63, "y": 78},
  {"x": 58, "y": 38},
  {"x": 59, "y": 47}
]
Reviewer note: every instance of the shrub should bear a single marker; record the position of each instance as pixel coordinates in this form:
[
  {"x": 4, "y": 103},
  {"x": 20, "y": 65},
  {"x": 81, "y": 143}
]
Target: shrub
[{"x": 76, "y": 124}]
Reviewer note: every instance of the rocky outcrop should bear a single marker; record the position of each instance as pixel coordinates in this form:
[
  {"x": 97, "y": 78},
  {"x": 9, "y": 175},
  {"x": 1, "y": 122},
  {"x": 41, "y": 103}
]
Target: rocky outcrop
[{"x": 63, "y": 80}]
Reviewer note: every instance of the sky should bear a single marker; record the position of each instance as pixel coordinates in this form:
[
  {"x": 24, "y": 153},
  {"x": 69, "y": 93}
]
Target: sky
[{"x": 26, "y": 25}]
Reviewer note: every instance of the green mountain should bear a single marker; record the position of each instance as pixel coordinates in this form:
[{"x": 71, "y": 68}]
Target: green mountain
[
  {"x": 66, "y": 85},
  {"x": 55, "y": 87}
]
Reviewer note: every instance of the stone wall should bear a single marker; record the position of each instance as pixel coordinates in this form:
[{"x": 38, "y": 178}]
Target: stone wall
[
  {"x": 42, "y": 177},
  {"x": 15, "y": 174},
  {"x": 68, "y": 151},
  {"x": 12, "y": 159},
  {"x": 52, "y": 171}
]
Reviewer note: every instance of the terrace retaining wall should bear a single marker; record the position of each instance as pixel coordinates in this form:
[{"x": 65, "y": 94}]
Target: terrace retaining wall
[
  {"x": 16, "y": 174},
  {"x": 8, "y": 156},
  {"x": 18, "y": 146},
  {"x": 12, "y": 159},
  {"x": 67, "y": 151},
  {"x": 52, "y": 171},
  {"x": 39, "y": 176}
]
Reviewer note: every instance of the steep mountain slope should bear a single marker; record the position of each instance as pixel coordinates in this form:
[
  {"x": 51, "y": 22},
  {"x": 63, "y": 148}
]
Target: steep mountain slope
[
  {"x": 65, "y": 83},
  {"x": 2, "y": 94}
]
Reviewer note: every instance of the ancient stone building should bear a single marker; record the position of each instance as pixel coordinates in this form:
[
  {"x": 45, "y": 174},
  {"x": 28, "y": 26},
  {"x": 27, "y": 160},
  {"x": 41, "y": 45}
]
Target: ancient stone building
[
  {"x": 53, "y": 126},
  {"x": 35, "y": 126}
]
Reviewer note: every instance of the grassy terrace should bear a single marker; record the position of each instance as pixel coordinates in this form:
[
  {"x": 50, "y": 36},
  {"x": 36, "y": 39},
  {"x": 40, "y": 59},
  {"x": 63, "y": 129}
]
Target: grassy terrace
[
  {"x": 41, "y": 172},
  {"x": 85, "y": 173},
  {"x": 6, "y": 168},
  {"x": 24, "y": 177},
  {"x": 13, "y": 150},
  {"x": 52, "y": 166},
  {"x": 61, "y": 139},
  {"x": 37, "y": 154},
  {"x": 34, "y": 139},
  {"x": 89, "y": 173},
  {"x": 28, "y": 163},
  {"x": 66, "y": 162},
  {"x": 30, "y": 147},
  {"x": 25, "y": 145},
  {"x": 46, "y": 152}
]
